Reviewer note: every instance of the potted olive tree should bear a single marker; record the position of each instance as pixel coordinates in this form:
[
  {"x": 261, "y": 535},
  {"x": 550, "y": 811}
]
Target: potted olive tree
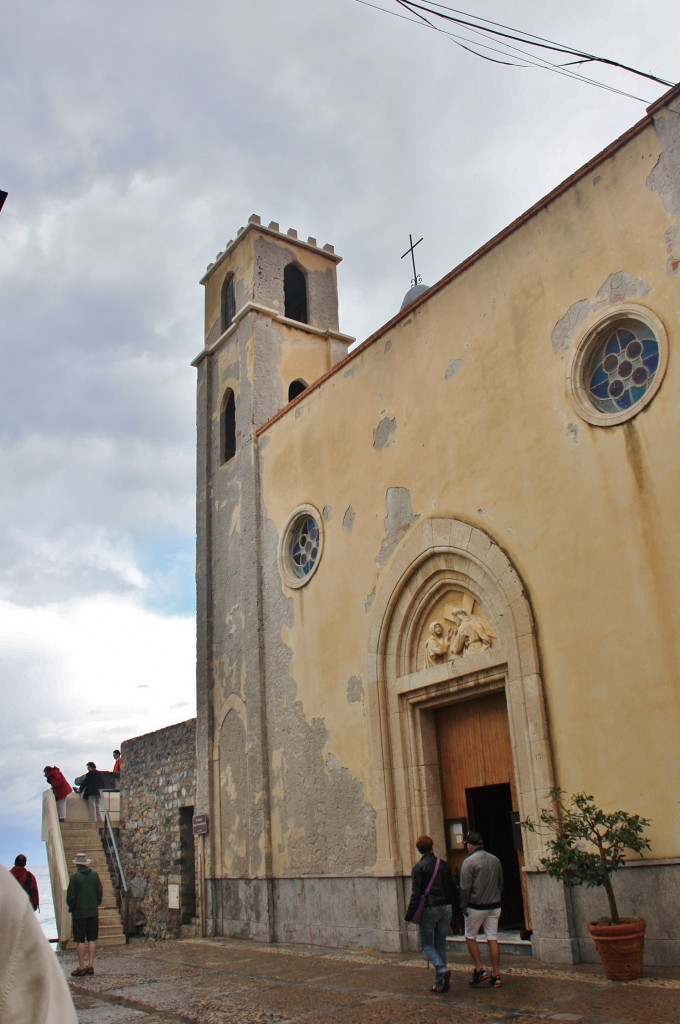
[{"x": 585, "y": 847}]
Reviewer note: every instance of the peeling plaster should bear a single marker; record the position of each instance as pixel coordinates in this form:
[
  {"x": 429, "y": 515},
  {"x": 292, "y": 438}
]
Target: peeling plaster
[
  {"x": 327, "y": 513},
  {"x": 618, "y": 287},
  {"x": 369, "y": 601},
  {"x": 353, "y": 370},
  {"x": 572, "y": 432},
  {"x": 453, "y": 368},
  {"x": 398, "y": 521},
  {"x": 325, "y": 823},
  {"x": 235, "y": 524},
  {"x": 348, "y": 519},
  {"x": 565, "y": 328},
  {"x": 388, "y": 345},
  {"x": 665, "y": 177},
  {"x": 383, "y": 435},
  {"x": 672, "y": 261},
  {"x": 355, "y": 689}
]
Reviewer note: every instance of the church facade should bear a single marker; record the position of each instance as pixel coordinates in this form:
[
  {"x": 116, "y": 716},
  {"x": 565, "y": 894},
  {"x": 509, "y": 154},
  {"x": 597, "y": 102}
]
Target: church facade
[{"x": 438, "y": 575}]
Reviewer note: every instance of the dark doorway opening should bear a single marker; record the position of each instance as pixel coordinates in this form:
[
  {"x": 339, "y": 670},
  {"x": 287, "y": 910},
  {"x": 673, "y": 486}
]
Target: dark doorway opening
[
  {"x": 187, "y": 865},
  {"x": 490, "y": 812}
]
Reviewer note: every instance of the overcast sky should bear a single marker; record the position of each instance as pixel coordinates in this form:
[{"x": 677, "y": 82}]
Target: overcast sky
[{"x": 136, "y": 139}]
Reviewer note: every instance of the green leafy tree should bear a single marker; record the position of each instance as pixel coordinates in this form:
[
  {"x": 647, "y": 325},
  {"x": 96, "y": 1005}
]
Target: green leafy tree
[{"x": 587, "y": 845}]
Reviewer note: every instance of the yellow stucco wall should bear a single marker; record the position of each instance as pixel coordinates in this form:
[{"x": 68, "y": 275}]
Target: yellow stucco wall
[{"x": 468, "y": 398}]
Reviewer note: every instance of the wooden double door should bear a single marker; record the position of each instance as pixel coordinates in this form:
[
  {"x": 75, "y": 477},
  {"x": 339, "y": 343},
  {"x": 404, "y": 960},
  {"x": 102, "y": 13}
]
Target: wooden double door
[{"x": 478, "y": 786}]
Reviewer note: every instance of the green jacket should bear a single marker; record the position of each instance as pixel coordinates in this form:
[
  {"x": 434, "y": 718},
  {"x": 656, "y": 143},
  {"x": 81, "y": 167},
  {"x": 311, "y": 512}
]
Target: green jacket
[{"x": 84, "y": 893}]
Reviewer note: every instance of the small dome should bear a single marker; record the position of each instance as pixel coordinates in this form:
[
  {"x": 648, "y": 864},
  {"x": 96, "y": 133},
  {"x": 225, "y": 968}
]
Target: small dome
[{"x": 414, "y": 293}]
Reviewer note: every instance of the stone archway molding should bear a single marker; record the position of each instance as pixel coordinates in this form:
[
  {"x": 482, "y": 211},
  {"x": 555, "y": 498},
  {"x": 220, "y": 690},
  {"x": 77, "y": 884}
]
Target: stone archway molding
[{"x": 438, "y": 554}]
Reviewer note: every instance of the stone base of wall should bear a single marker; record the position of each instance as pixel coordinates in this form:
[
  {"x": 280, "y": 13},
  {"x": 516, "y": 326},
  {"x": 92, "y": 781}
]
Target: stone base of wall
[
  {"x": 340, "y": 912},
  {"x": 560, "y": 916},
  {"x": 368, "y": 912}
]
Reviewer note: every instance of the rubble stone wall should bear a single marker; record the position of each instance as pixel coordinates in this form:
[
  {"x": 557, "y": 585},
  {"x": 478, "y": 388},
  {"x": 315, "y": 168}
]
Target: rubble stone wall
[{"x": 158, "y": 785}]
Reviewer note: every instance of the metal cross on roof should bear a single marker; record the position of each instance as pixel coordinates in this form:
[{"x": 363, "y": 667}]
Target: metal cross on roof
[{"x": 416, "y": 277}]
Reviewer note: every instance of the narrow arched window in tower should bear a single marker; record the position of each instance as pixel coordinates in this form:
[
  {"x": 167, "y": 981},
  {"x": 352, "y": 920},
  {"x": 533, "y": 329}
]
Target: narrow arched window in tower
[
  {"x": 295, "y": 293},
  {"x": 228, "y": 426},
  {"x": 228, "y": 303},
  {"x": 296, "y": 388}
]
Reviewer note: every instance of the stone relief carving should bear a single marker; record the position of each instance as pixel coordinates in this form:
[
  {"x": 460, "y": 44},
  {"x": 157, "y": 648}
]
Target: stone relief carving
[
  {"x": 436, "y": 645},
  {"x": 467, "y": 632}
]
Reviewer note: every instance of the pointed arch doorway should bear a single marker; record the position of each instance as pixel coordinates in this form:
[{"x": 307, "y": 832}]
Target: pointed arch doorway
[
  {"x": 479, "y": 792},
  {"x": 453, "y": 626}
]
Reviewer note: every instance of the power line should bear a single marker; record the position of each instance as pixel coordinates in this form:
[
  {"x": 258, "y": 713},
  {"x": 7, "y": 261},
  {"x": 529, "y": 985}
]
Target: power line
[
  {"x": 517, "y": 57},
  {"x": 527, "y": 38}
]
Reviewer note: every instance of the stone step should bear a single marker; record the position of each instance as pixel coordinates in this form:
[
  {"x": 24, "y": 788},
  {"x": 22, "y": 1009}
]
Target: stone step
[
  {"x": 85, "y": 837},
  {"x": 110, "y": 927},
  {"x": 509, "y": 944},
  {"x": 112, "y": 940}
]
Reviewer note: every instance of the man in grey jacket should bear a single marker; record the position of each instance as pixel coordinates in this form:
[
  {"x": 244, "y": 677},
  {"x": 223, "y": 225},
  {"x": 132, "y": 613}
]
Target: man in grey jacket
[{"x": 481, "y": 885}]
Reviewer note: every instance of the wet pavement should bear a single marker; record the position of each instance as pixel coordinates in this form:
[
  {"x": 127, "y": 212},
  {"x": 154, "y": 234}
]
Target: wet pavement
[{"x": 232, "y": 981}]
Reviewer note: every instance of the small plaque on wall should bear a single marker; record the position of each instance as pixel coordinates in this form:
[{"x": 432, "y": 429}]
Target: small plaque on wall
[
  {"x": 200, "y": 825},
  {"x": 455, "y": 829},
  {"x": 173, "y": 896}
]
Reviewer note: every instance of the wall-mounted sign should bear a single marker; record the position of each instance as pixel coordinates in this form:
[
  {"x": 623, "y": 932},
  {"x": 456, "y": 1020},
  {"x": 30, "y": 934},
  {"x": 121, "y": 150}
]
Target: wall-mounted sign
[
  {"x": 200, "y": 824},
  {"x": 455, "y": 829}
]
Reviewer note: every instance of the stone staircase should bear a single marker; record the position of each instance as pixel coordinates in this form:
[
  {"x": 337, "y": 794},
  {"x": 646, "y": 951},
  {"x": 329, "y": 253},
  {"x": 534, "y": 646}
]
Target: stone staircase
[{"x": 85, "y": 837}]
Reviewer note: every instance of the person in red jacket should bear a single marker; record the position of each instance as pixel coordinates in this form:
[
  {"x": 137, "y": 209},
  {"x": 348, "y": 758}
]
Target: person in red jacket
[
  {"x": 60, "y": 787},
  {"x": 26, "y": 880}
]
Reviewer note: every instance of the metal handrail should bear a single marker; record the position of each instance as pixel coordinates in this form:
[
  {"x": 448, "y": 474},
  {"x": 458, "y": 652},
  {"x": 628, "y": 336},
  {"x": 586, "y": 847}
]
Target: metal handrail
[{"x": 113, "y": 845}]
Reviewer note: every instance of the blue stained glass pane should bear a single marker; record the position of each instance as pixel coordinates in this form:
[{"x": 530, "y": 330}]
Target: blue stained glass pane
[
  {"x": 598, "y": 376},
  {"x": 600, "y": 390},
  {"x": 624, "y": 402},
  {"x": 612, "y": 345},
  {"x": 625, "y": 337},
  {"x": 637, "y": 393},
  {"x": 649, "y": 347},
  {"x": 651, "y": 362}
]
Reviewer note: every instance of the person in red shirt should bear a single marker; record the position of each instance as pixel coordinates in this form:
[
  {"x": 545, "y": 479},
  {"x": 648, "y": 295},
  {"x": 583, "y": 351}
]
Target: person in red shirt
[
  {"x": 26, "y": 880},
  {"x": 60, "y": 787},
  {"x": 116, "y": 766}
]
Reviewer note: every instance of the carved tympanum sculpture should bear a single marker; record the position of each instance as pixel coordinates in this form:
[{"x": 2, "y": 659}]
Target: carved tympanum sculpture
[
  {"x": 436, "y": 645},
  {"x": 470, "y": 633}
]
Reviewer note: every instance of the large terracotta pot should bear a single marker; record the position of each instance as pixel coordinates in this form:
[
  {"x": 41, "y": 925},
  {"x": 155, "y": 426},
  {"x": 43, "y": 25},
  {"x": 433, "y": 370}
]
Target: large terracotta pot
[{"x": 620, "y": 947}]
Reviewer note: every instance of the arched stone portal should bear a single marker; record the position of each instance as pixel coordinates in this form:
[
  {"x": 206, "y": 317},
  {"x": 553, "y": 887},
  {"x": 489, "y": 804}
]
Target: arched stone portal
[{"x": 454, "y": 574}]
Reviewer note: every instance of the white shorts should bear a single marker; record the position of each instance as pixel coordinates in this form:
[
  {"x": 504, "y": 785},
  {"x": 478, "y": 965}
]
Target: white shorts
[{"x": 475, "y": 919}]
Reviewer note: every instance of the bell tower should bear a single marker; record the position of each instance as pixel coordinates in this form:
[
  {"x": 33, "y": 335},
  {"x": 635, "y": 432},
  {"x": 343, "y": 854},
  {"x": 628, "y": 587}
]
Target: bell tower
[{"x": 271, "y": 331}]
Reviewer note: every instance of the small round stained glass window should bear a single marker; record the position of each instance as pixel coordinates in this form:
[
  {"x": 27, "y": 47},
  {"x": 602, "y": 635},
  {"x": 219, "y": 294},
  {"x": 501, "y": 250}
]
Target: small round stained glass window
[
  {"x": 304, "y": 547},
  {"x": 300, "y": 546},
  {"x": 618, "y": 366},
  {"x": 623, "y": 368}
]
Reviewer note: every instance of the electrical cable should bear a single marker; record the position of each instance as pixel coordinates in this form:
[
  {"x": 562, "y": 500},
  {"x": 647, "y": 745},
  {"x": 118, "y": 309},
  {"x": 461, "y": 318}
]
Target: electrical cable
[
  {"x": 521, "y": 59},
  {"x": 528, "y": 38}
]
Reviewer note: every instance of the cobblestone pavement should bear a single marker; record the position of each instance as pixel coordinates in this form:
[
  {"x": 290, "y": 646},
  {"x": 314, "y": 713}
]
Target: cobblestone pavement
[{"x": 230, "y": 981}]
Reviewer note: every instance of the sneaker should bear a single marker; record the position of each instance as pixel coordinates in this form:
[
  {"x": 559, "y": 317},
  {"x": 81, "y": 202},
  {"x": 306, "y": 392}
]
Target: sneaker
[
  {"x": 495, "y": 981},
  {"x": 478, "y": 977}
]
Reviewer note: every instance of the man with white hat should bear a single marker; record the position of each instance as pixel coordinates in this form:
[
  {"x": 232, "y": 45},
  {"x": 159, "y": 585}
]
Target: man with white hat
[{"x": 83, "y": 896}]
